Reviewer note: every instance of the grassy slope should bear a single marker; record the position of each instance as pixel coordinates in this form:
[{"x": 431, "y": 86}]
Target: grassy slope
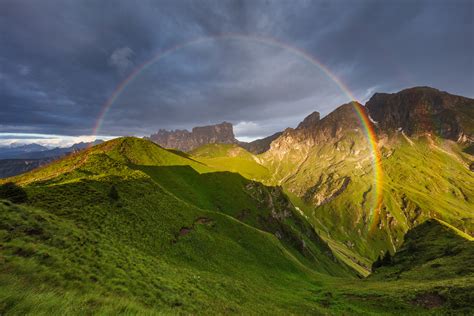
[
  {"x": 75, "y": 245},
  {"x": 423, "y": 179},
  {"x": 74, "y": 250},
  {"x": 265, "y": 208},
  {"x": 420, "y": 182},
  {"x": 230, "y": 157},
  {"x": 435, "y": 252}
]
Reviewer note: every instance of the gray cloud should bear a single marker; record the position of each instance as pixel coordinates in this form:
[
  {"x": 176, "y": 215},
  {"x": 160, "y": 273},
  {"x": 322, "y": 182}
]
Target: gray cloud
[
  {"x": 61, "y": 60},
  {"x": 121, "y": 59}
]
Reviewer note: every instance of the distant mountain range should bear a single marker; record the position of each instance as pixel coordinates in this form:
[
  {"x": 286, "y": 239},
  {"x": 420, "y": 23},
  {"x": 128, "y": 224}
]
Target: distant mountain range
[
  {"x": 14, "y": 151},
  {"x": 19, "y": 159}
]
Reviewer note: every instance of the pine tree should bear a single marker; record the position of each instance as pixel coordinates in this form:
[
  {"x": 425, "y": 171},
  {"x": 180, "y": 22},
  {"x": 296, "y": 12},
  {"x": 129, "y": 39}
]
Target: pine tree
[{"x": 113, "y": 193}]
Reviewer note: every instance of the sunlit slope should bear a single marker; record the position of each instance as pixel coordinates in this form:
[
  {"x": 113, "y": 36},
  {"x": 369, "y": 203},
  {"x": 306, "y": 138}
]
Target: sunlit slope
[
  {"x": 333, "y": 183},
  {"x": 421, "y": 180},
  {"x": 262, "y": 207},
  {"x": 109, "y": 158},
  {"x": 231, "y": 157},
  {"x": 78, "y": 245}
]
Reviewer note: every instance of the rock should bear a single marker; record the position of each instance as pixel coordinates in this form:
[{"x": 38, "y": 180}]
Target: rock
[
  {"x": 424, "y": 110},
  {"x": 184, "y": 140}
]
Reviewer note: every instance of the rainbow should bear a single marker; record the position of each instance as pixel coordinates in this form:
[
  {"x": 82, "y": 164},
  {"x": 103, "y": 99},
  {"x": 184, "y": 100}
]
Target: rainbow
[
  {"x": 361, "y": 113},
  {"x": 377, "y": 163}
]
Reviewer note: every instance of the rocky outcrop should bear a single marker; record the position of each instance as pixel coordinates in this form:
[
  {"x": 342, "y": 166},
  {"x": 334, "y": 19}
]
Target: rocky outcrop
[
  {"x": 422, "y": 110},
  {"x": 184, "y": 140}
]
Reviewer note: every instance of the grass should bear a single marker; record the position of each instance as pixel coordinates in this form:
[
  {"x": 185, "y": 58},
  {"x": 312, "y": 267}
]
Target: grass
[{"x": 180, "y": 236}]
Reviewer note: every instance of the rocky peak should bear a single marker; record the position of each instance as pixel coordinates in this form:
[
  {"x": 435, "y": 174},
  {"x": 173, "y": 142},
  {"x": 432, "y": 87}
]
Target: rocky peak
[
  {"x": 343, "y": 118},
  {"x": 185, "y": 140},
  {"x": 294, "y": 143},
  {"x": 309, "y": 121},
  {"x": 422, "y": 110}
]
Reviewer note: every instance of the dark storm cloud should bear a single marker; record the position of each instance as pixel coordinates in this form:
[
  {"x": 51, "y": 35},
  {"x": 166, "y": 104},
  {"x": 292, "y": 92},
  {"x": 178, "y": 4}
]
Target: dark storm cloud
[{"x": 61, "y": 60}]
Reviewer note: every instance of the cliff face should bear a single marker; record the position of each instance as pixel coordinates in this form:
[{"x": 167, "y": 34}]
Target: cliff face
[
  {"x": 422, "y": 110},
  {"x": 186, "y": 141}
]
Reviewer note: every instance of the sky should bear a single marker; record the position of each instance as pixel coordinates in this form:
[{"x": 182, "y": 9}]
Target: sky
[{"x": 70, "y": 69}]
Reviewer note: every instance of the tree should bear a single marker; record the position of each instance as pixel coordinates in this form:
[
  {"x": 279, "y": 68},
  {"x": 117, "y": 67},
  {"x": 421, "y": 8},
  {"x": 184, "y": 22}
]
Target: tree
[
  {"x": 387, "y": 259},
  {"x": 384, "y": 260},
  {"x": 113, "y": 193},
  {"x": 12, "y": 192},
  {"x": 377, "y": 263}
]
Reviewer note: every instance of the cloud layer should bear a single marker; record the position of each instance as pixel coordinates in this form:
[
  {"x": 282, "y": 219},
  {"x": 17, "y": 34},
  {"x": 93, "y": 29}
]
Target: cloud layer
[{"x": 61, "y": 60}]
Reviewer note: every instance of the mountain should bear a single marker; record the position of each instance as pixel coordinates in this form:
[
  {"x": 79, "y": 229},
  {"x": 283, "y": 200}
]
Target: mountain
[
  {"x": 424, "y": 110},
  {"x": 35, "y": 151},
  {"x": 186, "y": 141},
  {"x": 317, "y": 224},
  {"x": 58, "y": 151},
  {"x": 327, "y": 168},
  {"x": 14, "y": 151},
  {"x": 29, "y": 158}
]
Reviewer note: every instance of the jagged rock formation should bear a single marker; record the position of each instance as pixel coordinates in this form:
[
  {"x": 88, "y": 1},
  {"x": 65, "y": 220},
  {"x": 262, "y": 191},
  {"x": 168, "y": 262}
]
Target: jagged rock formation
[
  {"x": 422, "y": 110},
  {"x": 184, "y": 140}
]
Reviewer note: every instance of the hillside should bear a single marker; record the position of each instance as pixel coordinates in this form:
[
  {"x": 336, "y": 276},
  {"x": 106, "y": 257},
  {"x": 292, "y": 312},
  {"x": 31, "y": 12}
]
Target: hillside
[
  {"x": 155, "y": 230},
  {"x": 433, "y": 251},
  {"x": 160, "y": 232}
]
